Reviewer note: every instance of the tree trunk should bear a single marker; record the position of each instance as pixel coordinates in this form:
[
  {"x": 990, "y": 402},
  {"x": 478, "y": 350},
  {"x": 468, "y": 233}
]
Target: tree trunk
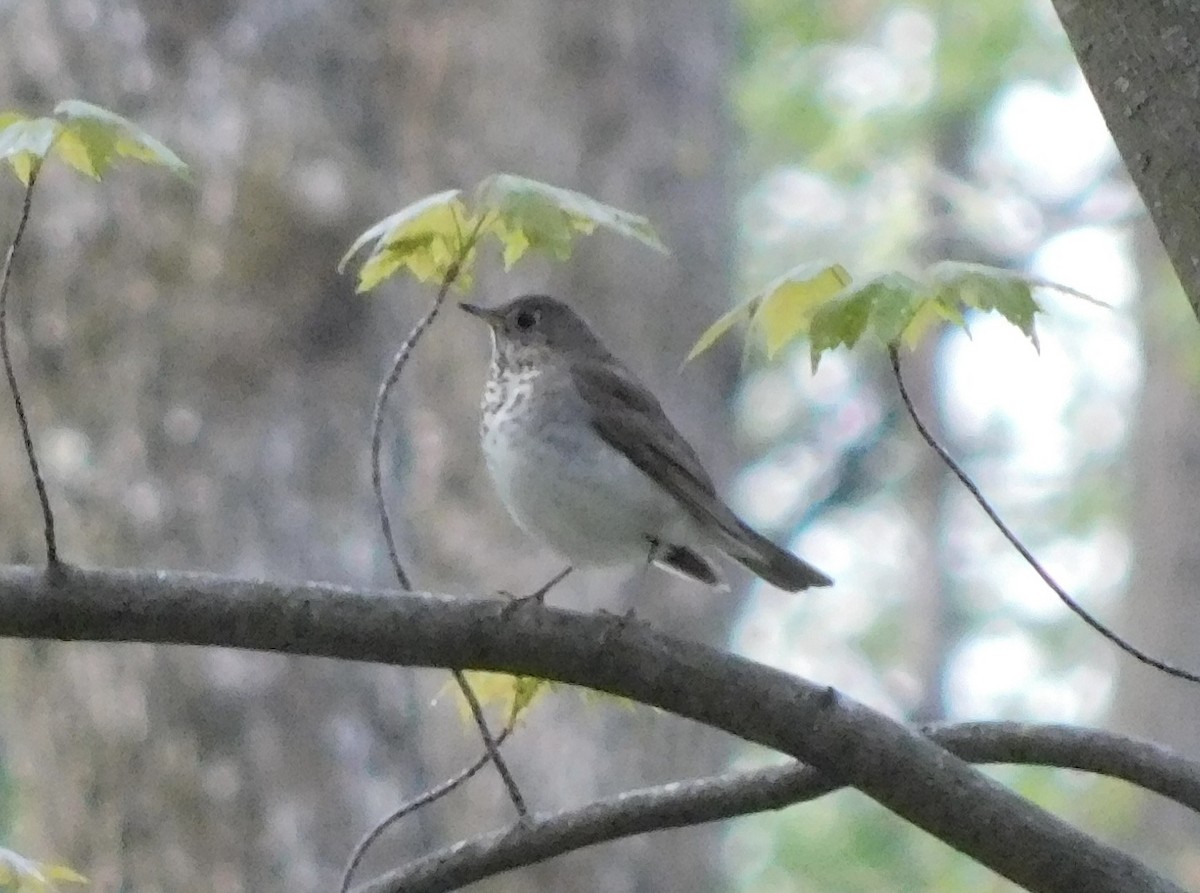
[{"x": 1140, "y": 61}]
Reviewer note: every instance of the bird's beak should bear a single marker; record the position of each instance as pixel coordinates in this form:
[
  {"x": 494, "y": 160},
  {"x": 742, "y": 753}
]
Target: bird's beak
[{"x": 491, "y": 317}]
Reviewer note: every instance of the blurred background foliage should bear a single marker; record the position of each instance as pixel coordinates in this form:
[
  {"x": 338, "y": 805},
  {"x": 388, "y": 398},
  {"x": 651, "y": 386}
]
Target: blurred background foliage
[
  {"x": 886, "y": 136},
  {"x": 201, "y": 381}
]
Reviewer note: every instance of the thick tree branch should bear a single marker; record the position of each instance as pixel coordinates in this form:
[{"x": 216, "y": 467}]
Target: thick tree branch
[
  {"x": 1141, "y": 61},
  {"x": 844, "y": 740},
  {"x": 685, "y": 803}
]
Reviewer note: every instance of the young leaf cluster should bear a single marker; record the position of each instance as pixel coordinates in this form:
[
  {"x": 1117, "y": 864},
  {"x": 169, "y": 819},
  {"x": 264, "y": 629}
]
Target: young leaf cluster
[
  {"x": 513, "y": 694},
  {"x": 820, "y": 302},
  {"x": 83, "y": 136},
  {"x": 438, "y": 235},
  {"x": 783, "y": 310}
]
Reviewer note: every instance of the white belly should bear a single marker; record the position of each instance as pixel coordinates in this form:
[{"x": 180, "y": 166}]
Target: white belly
[{"x": 580, "y": 496}]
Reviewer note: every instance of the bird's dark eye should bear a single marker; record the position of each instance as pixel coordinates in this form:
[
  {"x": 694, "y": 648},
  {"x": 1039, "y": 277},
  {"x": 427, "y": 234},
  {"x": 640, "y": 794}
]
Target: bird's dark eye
[{"x": 527, "y": 319}]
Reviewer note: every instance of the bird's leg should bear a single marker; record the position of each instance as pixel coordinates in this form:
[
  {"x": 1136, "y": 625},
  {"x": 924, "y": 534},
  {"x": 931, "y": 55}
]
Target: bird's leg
[
  {"x": 539, "y": 596},
  {"x": 629, "y": 617},
  {"x": 653, "y": 546}
]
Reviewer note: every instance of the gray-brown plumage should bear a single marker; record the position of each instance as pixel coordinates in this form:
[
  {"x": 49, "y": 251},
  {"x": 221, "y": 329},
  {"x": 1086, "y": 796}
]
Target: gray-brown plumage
[{"x": 585, "y": 459}]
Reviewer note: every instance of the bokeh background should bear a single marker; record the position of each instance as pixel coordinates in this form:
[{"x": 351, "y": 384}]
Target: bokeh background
[{"x": 200, "y": 380}]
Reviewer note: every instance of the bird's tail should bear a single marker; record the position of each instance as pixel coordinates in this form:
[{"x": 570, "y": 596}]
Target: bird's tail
[
  {"x": 762, "y": 557},
  {"x": 689, "y": 564}
]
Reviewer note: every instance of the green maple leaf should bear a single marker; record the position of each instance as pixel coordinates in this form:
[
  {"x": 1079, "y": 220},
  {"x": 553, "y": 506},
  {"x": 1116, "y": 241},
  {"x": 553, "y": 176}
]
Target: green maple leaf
[
  {"x": 515, "y": 694},
  {"x": 91, "y": 138},
  {"x": 439, "y": 233},
  {"x": 526, "y": 214},
  {"x": 84, "y": 136},
  {"x": 987, "y": 288},
  {"x": 782, "y": 311},
  {"x": 425, "y": 237},
  {"x": 25, "y": 142}
]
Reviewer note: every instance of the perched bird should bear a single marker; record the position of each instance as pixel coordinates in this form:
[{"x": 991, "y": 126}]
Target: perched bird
[{"x": 585, "y": 459}]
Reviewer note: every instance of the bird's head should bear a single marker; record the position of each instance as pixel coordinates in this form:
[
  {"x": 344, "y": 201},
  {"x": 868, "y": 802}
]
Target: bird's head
[{"x": 535, "y": 324}]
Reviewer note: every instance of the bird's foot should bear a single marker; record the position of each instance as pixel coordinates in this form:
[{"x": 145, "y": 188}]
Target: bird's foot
[
  {"x": 519, "y": 602},
  {"x": 619, "y": 623},
  {"x": 538, "y": 597}
]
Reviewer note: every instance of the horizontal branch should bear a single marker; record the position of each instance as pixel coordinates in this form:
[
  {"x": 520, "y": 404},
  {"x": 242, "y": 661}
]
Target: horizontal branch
[
  {"x": 686, "y": 803},
  {"x": 846, "y": 741},
  {"x": 1144, "y": 763}
]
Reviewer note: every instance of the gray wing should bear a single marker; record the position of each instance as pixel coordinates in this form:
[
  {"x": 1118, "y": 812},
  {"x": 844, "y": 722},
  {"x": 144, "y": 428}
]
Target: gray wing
[{"x": 626, "y": 415}]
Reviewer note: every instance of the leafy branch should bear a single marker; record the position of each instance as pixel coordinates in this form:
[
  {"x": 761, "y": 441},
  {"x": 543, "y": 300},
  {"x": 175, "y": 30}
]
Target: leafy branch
[
  {"x": 83, "y": 136},
  {"x": 449, "y": 276},
  {"x": 895, "y": 309},
  {"x": 426, "y": 237},
  {"x": 10, "y": 373},
  {"x": 89, "y": 139},
  {"x": 819, "y": 301}
]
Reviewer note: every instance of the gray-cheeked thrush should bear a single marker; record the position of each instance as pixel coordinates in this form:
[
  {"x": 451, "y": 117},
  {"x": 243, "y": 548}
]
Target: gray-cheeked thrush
[{"x": 585, "y": 459}]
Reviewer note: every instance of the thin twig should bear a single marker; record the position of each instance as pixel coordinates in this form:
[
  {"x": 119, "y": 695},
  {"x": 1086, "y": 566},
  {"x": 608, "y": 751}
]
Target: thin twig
[
  {"x": 429, "y": 796},
  {"x": 26, "y": 436},
  {"x": 398, "y": 364},
  {"x": 1067, "y": 600},
  {"x": 490, "y": 742}
]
